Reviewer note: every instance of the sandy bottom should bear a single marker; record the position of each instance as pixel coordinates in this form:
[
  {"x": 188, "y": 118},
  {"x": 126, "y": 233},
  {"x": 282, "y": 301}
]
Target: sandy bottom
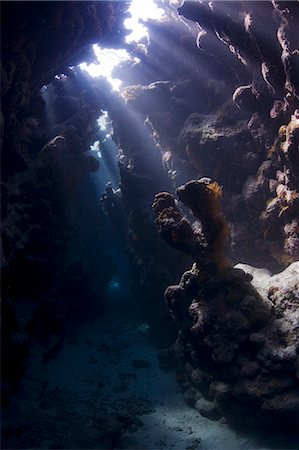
[{"x": 106, "y": 374}]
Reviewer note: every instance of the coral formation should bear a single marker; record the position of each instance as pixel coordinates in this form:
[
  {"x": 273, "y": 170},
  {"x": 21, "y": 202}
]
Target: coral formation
[
  {"x": 235, "y": 344},
  {"x": 227, "y": 131},
  {"x": 280, "y": 213},
  {"x": 202, "y": 197}
]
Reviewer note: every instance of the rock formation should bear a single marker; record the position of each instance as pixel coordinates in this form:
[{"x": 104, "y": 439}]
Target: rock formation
[
  {"x": 228, "y": 124},
  {"x": 47, "y": 125},
  {"x": 237, "y": 343}
]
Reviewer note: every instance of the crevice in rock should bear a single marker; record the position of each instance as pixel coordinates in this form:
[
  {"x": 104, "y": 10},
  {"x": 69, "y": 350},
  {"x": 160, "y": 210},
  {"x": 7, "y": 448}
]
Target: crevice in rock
[{"x": 204, "y": 123}]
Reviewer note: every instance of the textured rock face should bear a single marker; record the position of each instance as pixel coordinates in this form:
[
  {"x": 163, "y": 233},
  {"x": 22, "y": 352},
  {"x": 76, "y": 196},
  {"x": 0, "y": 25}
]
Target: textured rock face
[
  {"x": 227, "y": 112},
  {"x": 215, "y": 145},
  {"x": 41, "y": 41},
  {"x": 238, "y": 340},
  {"x": 221, "y": 111},
  {"x": 45, "y": 256}
]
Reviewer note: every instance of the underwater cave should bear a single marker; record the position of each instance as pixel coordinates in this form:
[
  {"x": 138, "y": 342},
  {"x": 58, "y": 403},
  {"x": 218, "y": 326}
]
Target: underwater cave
[{"x": 150, "y": 225}]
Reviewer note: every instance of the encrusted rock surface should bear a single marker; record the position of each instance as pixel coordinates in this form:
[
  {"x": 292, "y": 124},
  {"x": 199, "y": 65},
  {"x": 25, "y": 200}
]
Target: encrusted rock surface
[
  {"x": 239, "y": 339},
  {"x": 229, "y": 112}
]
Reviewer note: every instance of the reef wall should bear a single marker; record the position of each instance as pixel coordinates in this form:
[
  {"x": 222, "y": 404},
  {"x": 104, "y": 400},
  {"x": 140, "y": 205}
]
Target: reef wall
[
  {"x": 54, "y": 262},
  {"x": 214, "y": 95},
  {"x": 227, "y": 108}
]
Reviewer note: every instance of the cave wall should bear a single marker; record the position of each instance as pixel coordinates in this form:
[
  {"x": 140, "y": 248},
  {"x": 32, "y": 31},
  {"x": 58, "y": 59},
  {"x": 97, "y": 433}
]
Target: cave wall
[
  {"x": 214, "y": 104},
  {"x": 226, "y": 109},
  {"x": 51, "y": 277},
  {"x": 39, "y": 42},
  {"x": 223, "y": 110},
  {"x": 221, "y": 104}
]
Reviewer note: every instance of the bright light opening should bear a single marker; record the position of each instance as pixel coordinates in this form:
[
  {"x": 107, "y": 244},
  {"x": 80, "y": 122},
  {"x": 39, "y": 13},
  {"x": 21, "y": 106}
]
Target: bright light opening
[
  {"x": 108, "y": 58},
  {"x": 141, "y": 10},
  {"x": 105, "y": 125},
  {"x": 96, "y": 147},
  {"x": 103, "y": 121}
]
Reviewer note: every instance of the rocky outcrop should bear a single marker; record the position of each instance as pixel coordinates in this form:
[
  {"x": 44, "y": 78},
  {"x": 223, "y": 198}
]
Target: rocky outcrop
[{"x": 237, "y": 340}]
